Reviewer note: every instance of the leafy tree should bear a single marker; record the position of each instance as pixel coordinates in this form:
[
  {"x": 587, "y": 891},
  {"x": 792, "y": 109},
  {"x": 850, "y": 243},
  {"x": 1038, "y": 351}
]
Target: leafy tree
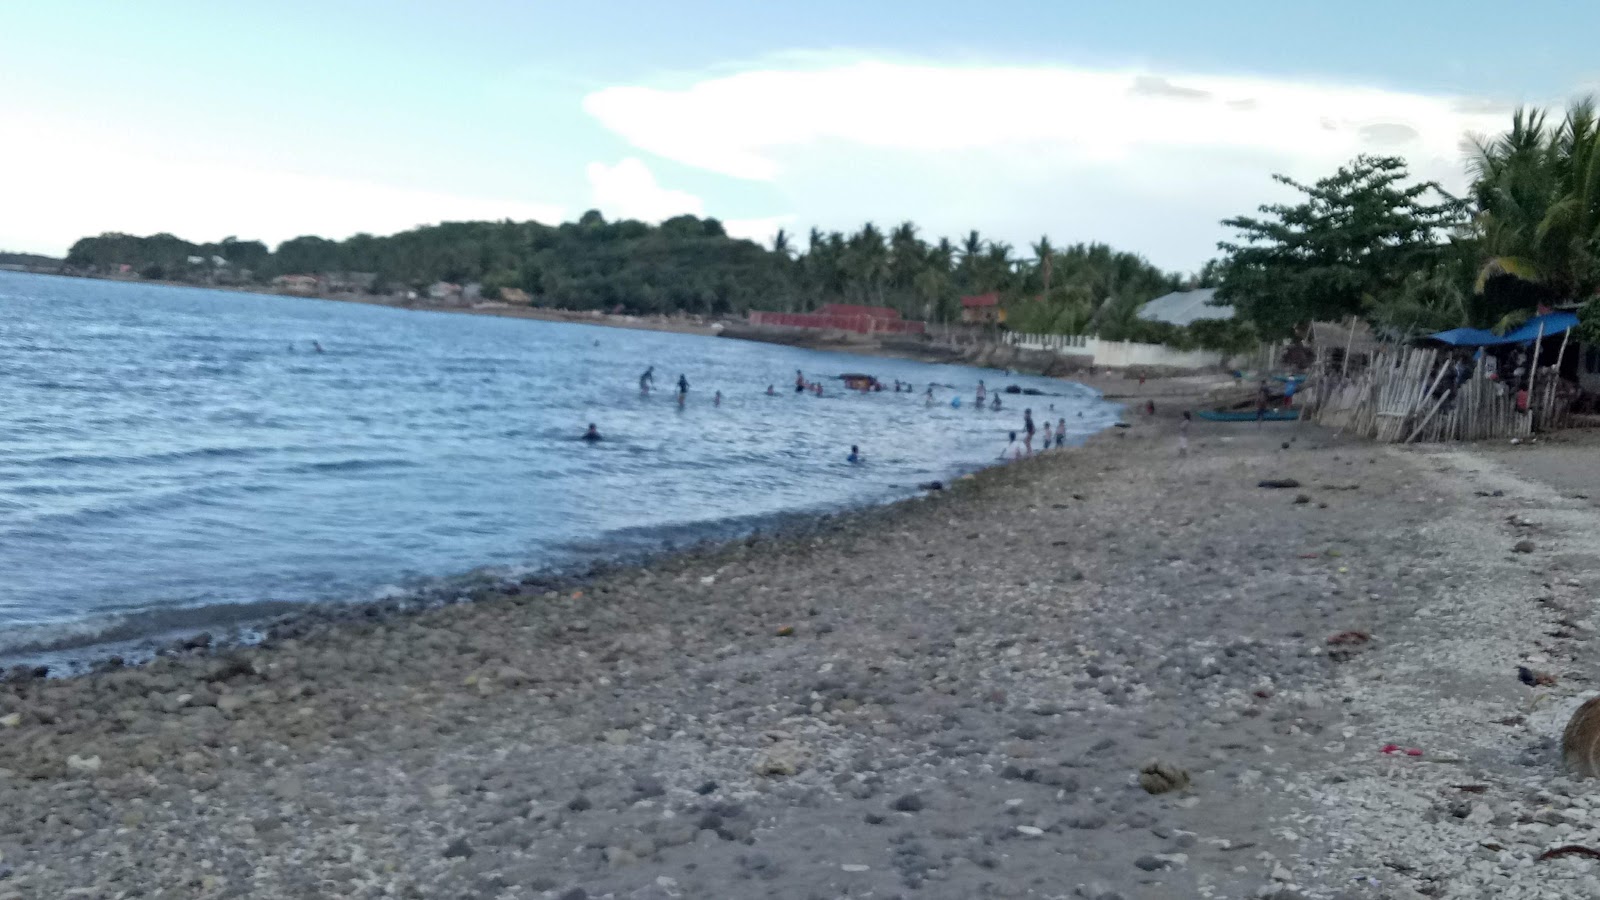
[
  {"x": 1353, "y": 241},
  {"x": 1589, "y": 322}
]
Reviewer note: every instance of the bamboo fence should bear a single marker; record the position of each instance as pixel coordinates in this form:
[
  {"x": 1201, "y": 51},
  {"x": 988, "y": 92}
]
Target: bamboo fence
[{"x": 1406, "y": 394}]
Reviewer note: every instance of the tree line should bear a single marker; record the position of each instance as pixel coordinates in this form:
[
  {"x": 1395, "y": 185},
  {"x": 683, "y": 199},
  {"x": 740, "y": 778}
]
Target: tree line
[
  {"x": 1369, "y": 241},
  {"x": 685, "y": 264}
]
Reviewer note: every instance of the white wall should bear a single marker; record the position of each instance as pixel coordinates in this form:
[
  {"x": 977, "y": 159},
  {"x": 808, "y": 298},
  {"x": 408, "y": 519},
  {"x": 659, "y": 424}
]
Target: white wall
[{"x": 1117, "y": 354}]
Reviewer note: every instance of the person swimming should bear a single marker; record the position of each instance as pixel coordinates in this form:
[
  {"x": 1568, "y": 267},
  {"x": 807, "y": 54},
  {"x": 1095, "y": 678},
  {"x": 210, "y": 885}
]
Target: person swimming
[
  {"x": 316, "y": 346},
  {"x": 855, "y": 456},
  {"x": 772, "y": 390},
  {"x": 593, "y": 434}
]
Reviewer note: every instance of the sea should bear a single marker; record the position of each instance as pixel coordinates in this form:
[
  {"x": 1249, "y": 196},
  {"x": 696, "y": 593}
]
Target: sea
[{"x": 176, "y": 459}]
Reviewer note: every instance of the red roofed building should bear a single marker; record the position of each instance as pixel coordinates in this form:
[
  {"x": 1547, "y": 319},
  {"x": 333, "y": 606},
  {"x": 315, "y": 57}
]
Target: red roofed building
[{"x": 982, "y": 309}]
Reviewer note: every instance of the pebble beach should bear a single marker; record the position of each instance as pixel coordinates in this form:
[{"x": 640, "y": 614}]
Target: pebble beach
[{"x": 1104, "y": 672}]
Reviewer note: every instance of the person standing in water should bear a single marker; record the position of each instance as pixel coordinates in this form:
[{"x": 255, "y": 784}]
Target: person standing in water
[
  {"x": 771, "y": 391},
  {"x": 1061, "y": 432},
  {"x": 996, "y": 404},
  {"x": 927, "y": 399},
  {"x": 647, "y": 380},
  {"x": 683, "y": 389},
  {"x": 1027, "y": 430},
  {"x": 716, "y": 399},
  {"x": 855, "y": 457},
  {"x": 981, "y": 392},
  {"x": 799, "y": 382},
  {"x": 593, "y": 434}
]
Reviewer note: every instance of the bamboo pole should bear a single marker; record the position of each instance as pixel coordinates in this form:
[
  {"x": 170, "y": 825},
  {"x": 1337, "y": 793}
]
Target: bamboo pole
[{"x": 1533, "y": 374}]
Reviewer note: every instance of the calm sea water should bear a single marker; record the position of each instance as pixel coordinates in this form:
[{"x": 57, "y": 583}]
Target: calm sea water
[{"x": 173, "y": 456}]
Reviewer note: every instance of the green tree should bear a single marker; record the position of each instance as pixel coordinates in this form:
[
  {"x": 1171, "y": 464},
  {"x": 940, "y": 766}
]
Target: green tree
[
  {"x": 1352, "y": 241},
  {"x": 1537, "y": 190}
]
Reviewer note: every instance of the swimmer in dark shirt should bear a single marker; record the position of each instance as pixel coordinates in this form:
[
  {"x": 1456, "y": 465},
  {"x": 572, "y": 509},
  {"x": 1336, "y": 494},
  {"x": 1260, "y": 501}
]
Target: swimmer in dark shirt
[{"x": 593, "y": 434}]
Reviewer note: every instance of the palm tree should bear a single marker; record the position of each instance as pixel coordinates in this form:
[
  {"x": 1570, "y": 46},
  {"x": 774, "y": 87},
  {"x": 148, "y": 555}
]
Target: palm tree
[
  {"x": 1043, "y": 252},
  {"x": 1537, "y": 189}
]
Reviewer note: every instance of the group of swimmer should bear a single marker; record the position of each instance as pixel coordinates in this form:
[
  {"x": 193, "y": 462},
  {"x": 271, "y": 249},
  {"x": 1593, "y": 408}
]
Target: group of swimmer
[{"x": 1053, "y": 437}]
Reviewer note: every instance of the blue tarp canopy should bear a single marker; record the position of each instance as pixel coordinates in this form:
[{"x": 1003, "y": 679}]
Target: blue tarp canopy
[{"x": 1550, "y": 323}]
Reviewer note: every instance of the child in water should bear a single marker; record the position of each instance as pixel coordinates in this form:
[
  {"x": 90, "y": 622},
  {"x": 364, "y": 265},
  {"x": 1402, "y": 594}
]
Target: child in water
[
  {"x": 1061, "y": 432},
  {"x": 855, "y": 456}
]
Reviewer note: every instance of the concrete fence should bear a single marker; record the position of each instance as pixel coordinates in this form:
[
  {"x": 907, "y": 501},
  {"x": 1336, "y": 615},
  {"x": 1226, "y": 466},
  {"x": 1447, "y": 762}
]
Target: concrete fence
[{"x": 1116, "y": 354}]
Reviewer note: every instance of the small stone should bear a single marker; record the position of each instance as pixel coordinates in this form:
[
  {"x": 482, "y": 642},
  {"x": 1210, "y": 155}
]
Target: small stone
[
  {"x": 1150, "y": 863},
  {"x": 1157, "y": 777},
  {"x": 77, "y": 763},
  {"x": 1523, "y": 547},
  {"x": 908, "y": 803},
  {"x": 579, "y": 803},
  {"x": 458, "y": 849},
  {"x": 11, "y": 721},
  {"x": 1030, "y": 830},
  {"x": 855, "y": 867}
]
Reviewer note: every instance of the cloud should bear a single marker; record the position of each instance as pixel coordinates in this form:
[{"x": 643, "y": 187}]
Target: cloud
[
  {"x": 68, "y": 184},
  {"x": 1153, "y": 86},
  {"x": 761, "y": 230},
  {"x": 628, "y": 190},
  {"x": 1389, "y": 133},
  {"x": 1151, "y": 160}
]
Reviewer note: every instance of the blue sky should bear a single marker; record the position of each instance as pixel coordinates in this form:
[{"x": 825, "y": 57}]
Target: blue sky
[{"x": 1136, "y": 123}]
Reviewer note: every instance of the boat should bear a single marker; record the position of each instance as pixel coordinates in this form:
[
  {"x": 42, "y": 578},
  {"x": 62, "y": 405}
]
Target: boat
[
  {"x": 858, "y": 382},
  {"x": 1247, "y": 415}
]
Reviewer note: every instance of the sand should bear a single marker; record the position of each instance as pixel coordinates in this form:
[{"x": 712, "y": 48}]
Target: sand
[{"x": 950, "y": 697}]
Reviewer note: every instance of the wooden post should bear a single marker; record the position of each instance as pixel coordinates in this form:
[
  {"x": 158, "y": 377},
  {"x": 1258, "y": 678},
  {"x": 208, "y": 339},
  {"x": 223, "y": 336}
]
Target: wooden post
[
  {"x": 1533, "y": 373},
  {"x": 1350, "y": 341}
]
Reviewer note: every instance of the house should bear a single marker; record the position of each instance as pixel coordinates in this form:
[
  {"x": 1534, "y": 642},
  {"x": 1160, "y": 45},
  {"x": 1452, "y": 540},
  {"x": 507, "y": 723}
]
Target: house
[
  {"x": 296, "y": 284},
  {"x": 982, "y": 309},
  {"x": 354, "y": 282},
  {"x": 1183, "y": 308},
  {"x": 444, "y": 292}
]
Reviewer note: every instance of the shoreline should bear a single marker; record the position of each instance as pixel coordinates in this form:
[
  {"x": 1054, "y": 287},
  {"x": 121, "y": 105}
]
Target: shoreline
[
  {"x": 821, "y": 341},
  {"x": 952, "y": 695}
]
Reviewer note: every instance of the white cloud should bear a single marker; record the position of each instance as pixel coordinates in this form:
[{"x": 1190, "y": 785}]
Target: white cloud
[
  {"x": 1150, "y": 160},
  {"x": 628, "y": 190},
  {"x": 66, "y": 184},
  {"x": 760, "y": 230}
]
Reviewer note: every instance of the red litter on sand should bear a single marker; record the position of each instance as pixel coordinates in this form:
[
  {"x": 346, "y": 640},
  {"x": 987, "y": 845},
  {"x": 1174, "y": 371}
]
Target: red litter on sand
[{"x": 1396, "y": 748}]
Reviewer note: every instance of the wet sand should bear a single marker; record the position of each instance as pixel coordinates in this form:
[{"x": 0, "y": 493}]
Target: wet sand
[{"x": 949, "y": 697}]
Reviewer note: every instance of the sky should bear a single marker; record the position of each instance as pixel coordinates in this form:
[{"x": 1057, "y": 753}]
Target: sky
[{"x": 1134, "y": 123}]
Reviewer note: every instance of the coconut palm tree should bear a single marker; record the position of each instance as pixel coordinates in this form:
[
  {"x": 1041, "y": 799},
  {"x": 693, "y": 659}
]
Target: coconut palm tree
[
  {"x": 1537, "y": 189},
  {"x": 1043, "y": 252}
]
